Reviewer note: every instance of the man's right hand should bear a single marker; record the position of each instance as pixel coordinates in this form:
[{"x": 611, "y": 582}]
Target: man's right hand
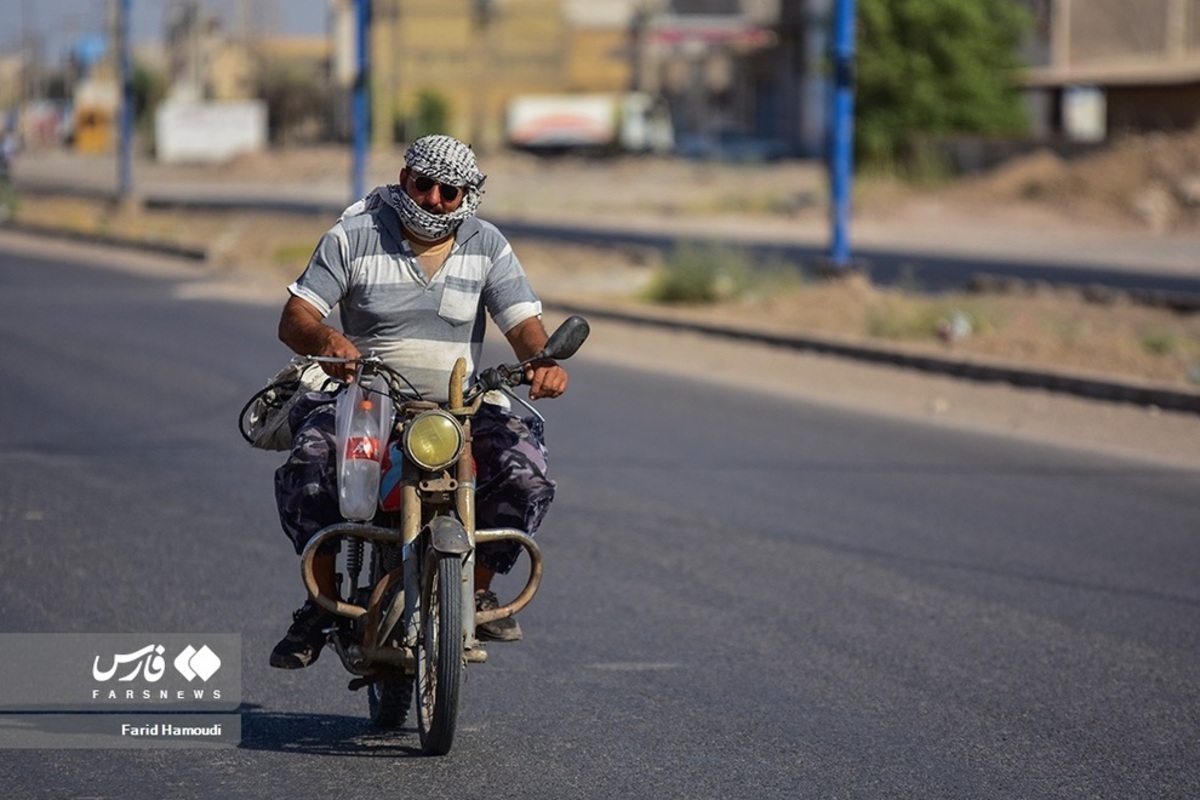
[
  {"x": 338, "y": 346},
  {"x": 302, "y": 328}
]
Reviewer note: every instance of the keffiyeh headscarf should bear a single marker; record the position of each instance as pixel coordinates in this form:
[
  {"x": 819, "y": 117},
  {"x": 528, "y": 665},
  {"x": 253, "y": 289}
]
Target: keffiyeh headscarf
[{"x": 446, "y": 160}]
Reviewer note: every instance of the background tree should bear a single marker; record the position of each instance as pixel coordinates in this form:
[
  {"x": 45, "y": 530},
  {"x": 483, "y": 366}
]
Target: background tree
[
  {"x": 932, "y": 68},
  {"x": 430, "y": 113},
  {"x": 149, "y": 88}
]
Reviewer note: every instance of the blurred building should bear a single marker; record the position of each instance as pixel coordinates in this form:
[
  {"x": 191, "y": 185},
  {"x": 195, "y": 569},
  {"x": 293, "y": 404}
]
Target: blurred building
[
  {"x": 208, "y": 62},
  {"x": 1110, "y": 66},
  {"x": 740, "y": 77},
  {"x": 745, "y": 70},
  {"x": 288, "y": 75},
  {"x": 744, "y": 79},
  {"x": 472, "y": 57},
  {"x": 12, "y": 84},
  {"x": 599, "y": 44},
  {"x": 194, "y": 43},
  {"x": 468, "y": 57}
]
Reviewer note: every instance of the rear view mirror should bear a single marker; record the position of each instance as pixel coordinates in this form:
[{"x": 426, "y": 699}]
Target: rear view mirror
[{"x": 566, "y": 339}]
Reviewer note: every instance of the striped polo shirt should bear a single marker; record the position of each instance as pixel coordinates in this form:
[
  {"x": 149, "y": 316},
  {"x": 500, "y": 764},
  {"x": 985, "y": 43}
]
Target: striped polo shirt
[{"x": 418, "y": 325}]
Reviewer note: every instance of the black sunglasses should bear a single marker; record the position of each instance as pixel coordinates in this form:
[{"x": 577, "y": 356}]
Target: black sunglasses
[{"x": 425, "y": 184}]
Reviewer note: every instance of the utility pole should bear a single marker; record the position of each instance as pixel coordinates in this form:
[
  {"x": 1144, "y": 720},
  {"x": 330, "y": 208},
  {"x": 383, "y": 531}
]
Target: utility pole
[
  {"x": 483, "y": 16},
  {"x": 841, "y": 139},
  {"x": 27, "y": 50},
  {"x": 243, "y": 21},
  {"x": 1060, "y": 35},
  {"x": 125, "y": 81},
  {"x": 361, "y": 121}
]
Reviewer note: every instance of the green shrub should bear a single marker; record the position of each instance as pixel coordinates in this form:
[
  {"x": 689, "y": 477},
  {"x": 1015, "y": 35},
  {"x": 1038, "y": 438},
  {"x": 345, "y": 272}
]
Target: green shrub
[
  {"x": 1160, "y": 342},
  {"x": 909, "y": 317},
  {"x": 903, "y": 321},
  {"x": 296, "y": 253},
  {"x": 431, "y": 114},
  {"x": 696, "y": 273}
]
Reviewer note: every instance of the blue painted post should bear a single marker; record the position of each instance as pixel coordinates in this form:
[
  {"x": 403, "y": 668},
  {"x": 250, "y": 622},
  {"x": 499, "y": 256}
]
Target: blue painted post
[
  {"x": 361, "y": 112},
  {"x": 841, "y": 140},
  {"x": 125, "y": 133}
]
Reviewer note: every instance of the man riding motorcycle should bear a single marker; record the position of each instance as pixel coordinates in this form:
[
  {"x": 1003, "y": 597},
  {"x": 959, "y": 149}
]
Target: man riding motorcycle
[{"x": 412, "y": 269}]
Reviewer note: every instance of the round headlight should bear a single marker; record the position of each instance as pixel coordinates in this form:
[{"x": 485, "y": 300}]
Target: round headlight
[{"x": 433, "y": 440}]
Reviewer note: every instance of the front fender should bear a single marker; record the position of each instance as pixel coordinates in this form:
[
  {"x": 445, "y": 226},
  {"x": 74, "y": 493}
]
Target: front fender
[{"x": 447, "y": 535}]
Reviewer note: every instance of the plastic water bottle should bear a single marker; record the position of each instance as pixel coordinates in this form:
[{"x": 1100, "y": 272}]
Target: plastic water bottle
[
  {"x": 363, "y": 418},
  {"x": 358, "y": 485}
]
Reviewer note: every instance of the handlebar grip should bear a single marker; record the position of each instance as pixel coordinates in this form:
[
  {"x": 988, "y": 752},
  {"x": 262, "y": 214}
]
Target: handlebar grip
[
  {"x": 509, "y": 375},
  {"x": 492, "y": 378}
]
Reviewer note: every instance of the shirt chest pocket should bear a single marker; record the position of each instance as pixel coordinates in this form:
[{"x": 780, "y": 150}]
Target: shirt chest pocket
[{"x": 460, "y": 301}]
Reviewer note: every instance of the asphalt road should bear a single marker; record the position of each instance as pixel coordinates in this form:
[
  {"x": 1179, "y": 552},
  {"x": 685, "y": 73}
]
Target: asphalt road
[{"x": 745, "y": 597}]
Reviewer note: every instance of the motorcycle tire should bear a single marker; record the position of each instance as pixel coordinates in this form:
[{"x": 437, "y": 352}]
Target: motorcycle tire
[
  {"x": 440, "y": 660},
  {"x": 388, "y": 700}
]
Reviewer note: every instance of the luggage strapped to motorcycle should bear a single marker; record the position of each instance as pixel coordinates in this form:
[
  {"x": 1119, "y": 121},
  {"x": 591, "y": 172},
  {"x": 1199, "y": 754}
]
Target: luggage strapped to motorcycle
[{"x": 263, "y": 421}]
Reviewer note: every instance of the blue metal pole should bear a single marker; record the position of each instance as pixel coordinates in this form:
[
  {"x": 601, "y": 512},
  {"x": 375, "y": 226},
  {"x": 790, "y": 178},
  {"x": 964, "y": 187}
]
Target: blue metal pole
[
  {"x": 361, "y": 111},
  {"x": 841, "y": 140},
  {"x": 125, "y": 147}
]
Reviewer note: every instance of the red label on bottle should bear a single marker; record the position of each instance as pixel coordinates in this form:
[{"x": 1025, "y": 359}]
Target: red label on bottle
[{"x": 362, "y": 447}]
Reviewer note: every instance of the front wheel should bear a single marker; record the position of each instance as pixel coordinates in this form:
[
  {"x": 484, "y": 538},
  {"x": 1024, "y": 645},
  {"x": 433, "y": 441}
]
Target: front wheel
[{"x": 440, "y": 661}]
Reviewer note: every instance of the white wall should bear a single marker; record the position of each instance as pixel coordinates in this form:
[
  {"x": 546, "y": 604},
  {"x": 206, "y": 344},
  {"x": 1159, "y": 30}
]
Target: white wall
[{"x": 208, "y": 133}]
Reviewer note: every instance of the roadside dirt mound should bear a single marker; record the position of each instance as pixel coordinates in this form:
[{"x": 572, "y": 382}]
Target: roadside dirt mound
[{"x": 1149, "y": 181}]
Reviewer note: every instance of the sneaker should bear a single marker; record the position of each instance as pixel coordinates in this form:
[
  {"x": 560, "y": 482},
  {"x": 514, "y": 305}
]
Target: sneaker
[
  {"x": 304, "y": 639},
  {"x": 499, "y": 630}
]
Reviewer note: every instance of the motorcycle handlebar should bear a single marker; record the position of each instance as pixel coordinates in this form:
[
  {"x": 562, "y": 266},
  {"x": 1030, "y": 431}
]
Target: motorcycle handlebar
[
  {"x": 561, "y": 344},
  {"x": 372, "y": 364},
  {"x": 502, "y": 377}
]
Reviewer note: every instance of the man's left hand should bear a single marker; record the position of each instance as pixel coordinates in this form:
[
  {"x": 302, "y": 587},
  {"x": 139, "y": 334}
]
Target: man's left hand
[{"x": 546, "y": 379}]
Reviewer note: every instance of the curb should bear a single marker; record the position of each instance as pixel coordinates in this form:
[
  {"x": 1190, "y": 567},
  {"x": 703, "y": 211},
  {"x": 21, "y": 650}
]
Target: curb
[
  {"x": 149, "y": 246},
  {"x": 1083, "y": 385}
]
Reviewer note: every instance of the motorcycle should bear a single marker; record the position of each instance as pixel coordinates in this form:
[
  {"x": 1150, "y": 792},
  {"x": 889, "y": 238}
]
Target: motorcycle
[{"x": 410, "y": 622}]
